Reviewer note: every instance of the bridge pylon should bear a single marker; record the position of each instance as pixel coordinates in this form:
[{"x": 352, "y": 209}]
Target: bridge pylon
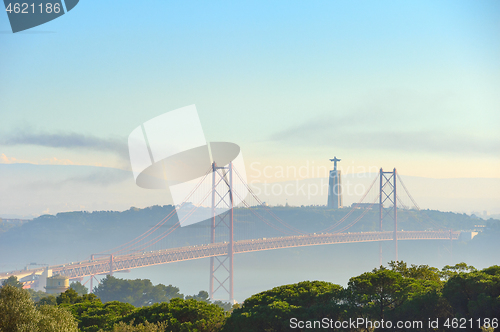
[
  {"x": 92, "y": 275},
  {"x": 389, "y": 211},
  {"x": 221, "y": 267}
]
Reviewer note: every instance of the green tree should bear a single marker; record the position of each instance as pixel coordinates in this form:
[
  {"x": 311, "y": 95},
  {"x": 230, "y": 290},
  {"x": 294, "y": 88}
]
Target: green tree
[
  {"x": 181, "y": 315},
  {"x": 146, "y": 327},
  {"x": 79, "y": 288},
  {"x": 272, "y": 310},
  {"x": 201, "y": 296},
  {"x": 37, "y": 295},
  {"x": 224, "y": 305},
  {"x": 48, "y": 300},
  {"x": 161, "y": 293},
  {"x": 378, "y": 292},
  {"x": 70, "y": 296},
  {"x": 449, "y": 271},
  {"x": 138, "y": 292},
  {"x": 93, "y": 315},
  {"x": 402, "y": 293},
  {"x": 56, "y": 319},
  {"x": 421, "y": 272},
  {"x": 474, "y": 294},
  {"x": 12, "y": 280},
  {"x": 17, "y": 312}
]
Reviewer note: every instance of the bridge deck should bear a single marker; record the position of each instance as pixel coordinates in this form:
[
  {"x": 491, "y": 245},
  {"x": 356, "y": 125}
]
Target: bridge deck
[{"x": 143, "y": 259}]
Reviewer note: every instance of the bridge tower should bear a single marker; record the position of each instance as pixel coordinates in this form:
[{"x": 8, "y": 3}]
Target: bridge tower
[
  {"x": 221, "y": 267},
  {"x": 388, "y": 196},
  {"x": 93, "y": 276}
]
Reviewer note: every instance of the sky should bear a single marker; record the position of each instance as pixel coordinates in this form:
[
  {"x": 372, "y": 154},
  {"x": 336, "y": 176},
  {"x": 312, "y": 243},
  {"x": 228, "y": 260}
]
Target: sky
[{"x": 412, "y": 85}]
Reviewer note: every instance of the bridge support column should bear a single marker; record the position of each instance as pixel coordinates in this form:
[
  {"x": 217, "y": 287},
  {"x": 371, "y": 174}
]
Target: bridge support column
[
  {"x": 395, "y": 218},
  {"x": 381, "y": 210},
  {"x": 221, "y": 267},
  {"x": 388, "y": 196},
  {"x": 111, "y": 264}
]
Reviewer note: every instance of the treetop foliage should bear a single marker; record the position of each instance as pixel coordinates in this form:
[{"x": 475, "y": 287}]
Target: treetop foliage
[
  {"x": 12, "y": 281},
  {"x": 138, "y": 292},
  {"x": 79, "y": 288},
  {"x": 182, "y": 315},
  {"x": 399, "y": 292},
  {"x": 18, "y": 313}
]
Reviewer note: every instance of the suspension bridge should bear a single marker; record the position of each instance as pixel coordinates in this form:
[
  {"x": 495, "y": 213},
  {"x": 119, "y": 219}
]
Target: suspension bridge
[{"x": 218, "y": 193}]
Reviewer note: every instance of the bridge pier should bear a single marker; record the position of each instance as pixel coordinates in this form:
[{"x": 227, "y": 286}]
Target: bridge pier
[
  {"x": 388, "y": 194},
  {"x": 222, "y": 197}
]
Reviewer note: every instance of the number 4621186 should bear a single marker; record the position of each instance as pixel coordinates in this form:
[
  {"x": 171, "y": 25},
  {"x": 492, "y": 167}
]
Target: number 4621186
[{"x": 25, "y": 8}]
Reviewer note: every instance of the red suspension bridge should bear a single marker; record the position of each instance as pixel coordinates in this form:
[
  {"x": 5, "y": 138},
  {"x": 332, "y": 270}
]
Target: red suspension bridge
[{"x": 222, "y": 186}]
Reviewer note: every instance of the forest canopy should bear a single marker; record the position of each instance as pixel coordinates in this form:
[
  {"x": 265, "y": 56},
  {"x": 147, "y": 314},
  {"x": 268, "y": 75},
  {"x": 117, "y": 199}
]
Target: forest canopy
[{"x": 396, "y": 293}]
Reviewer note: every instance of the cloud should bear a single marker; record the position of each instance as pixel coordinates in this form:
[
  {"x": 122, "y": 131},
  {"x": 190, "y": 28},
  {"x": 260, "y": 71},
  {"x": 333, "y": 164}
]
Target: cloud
[
  {"x": 10, "y": 160},
  {"x": 98, "y": 177},
  {"x": 6, "y": 160},
  {"x": 400, "y": 120},
  {"x": 57, "y": 161},
  {"x": 68, "y": 141},
  {"x": 104, "y": 177},
  {"x": 354, "y": 132}
]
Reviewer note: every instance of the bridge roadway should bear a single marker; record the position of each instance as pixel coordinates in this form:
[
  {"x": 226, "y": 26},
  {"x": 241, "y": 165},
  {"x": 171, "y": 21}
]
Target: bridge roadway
[{"x": 143, "y": 259}]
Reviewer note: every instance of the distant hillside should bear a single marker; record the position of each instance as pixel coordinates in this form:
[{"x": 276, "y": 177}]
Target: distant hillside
[
  {"x": 6, "y": 224},
  {"x": 73, "y": 236}
]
